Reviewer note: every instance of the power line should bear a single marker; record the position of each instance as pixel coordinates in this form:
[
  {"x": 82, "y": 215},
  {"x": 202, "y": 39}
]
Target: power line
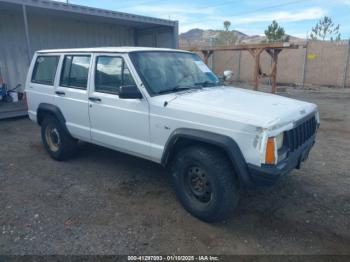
[
  {"x": 229, "y": 2},
  {"x": 270, "y": 7},
  {"x": 220, "y": 4},
  {"x": 141, "y": 3},
  {"x": 199, "y": 8},
  {"x": 261, "y": 9}
]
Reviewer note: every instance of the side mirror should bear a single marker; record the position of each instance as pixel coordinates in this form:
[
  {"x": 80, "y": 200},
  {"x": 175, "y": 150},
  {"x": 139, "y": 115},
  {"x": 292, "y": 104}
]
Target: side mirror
[
  {"x": 129, "y": 92},
  {"x": 227, "y": 75}
]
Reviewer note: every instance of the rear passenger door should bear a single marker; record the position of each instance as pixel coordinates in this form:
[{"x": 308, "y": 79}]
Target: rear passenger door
[
  {"x": 71, "y": 94},
  {"x": 122, "y": 124},
  {"x": 40, "y": 84}
]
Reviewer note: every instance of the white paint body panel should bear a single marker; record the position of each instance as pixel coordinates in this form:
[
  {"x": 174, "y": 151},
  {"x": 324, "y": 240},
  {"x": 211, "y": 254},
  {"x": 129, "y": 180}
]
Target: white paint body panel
[
  {"x": 241, "y": 114},
  {"x": 142, "y": 127},
  {"x": 37, "y": 93},
  {"x": 121, "y": 124},
  {"x": 74, "y": 106}
]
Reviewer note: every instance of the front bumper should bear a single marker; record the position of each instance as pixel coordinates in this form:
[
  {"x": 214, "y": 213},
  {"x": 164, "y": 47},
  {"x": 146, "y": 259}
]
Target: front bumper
[{"x": 267, "y": 175}]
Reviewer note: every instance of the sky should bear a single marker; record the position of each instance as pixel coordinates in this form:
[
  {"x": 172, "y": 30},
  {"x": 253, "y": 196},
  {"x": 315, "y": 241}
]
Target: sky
[{"x": 248, "y": 16}]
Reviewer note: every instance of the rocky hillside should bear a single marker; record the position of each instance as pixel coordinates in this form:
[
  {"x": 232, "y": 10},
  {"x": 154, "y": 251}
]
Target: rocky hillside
[{"x": 199, "y": 37}]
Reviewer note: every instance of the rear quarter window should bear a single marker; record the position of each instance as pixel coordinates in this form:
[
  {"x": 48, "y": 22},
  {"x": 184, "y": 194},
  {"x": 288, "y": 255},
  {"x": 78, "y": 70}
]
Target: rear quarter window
[{"x": 45, "y": 70}]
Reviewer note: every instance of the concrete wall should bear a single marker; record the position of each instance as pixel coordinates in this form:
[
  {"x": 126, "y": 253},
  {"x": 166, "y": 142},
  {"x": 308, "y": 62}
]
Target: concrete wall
[
  {"x": 327, "y": 68},
  {"x": 325, "y": 64},
  {"x": 230, "y": 61},
  {"x": 347, "y": 79}
]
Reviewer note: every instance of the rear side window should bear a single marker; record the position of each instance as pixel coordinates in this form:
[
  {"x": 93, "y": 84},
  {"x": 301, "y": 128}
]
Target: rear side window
[
  {"x": 45, "y": 70},
  {"x": 75, "y": 71},
  {"x": 111, "y": 73}
]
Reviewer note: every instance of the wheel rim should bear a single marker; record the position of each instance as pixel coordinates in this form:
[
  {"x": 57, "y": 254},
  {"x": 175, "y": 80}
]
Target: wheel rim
[
  {"x": 52, "y": 138},
  {"x": 198, "y": 185}
]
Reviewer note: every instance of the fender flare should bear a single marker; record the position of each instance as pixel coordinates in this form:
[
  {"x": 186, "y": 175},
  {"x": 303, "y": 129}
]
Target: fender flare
[
  {"x": 53, "y": 110},
  {"x": 226, "y": 143}
]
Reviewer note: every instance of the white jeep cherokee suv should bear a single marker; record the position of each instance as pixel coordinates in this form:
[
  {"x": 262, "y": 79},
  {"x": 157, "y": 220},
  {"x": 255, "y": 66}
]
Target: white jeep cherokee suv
[{"x": 167, "y": 106}]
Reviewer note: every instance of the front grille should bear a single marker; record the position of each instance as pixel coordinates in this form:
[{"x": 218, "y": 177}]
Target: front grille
[{"x": 297, "y": 136}]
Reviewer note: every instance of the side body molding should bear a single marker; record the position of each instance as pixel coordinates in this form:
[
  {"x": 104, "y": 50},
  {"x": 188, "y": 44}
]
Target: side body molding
[{"x": 224, "y": 142}]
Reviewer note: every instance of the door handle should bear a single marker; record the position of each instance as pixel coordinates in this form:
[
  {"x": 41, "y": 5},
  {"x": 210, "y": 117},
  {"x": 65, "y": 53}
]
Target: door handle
[
  {"x": 95, "y": 99},
  {"x": 60, "y": 93}
]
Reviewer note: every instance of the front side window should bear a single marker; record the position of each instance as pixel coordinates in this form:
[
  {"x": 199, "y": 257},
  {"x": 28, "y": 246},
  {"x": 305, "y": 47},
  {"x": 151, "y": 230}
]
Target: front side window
[
  {"x": 169, "y": 71},
  {"x": 111, "y": 73},
  {"x": 45, "y": 70},
  {"x": 75, "y": 71}
]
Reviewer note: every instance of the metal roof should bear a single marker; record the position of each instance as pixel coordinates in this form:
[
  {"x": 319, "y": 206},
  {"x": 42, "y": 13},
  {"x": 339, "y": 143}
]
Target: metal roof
[
  {"x": 90, "y": 11},
  {"x": 120, "y": 49}
]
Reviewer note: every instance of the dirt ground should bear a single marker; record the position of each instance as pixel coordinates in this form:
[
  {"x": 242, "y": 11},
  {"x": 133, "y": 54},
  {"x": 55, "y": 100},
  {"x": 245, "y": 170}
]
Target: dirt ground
[{"x": 105, "y": 202}]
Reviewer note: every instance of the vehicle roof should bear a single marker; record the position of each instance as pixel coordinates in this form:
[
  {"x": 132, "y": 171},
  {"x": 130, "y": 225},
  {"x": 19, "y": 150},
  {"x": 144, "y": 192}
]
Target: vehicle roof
[{"x": 120, "y": 49}]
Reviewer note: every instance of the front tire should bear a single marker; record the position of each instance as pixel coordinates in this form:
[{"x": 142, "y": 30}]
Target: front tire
[
  {"x": 205, "y": 183},
  {"x": 58, "y": 143}
]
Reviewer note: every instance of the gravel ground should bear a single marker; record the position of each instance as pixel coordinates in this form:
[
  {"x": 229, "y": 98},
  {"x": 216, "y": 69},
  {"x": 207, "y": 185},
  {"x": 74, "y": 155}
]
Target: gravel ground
[{"x": 105, "y": 202}]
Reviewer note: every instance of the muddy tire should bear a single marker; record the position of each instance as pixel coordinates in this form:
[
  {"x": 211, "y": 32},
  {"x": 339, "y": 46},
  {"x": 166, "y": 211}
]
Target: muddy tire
[
  {"x": 59, "y": 144},
  {"x": 205, "y": 183}
]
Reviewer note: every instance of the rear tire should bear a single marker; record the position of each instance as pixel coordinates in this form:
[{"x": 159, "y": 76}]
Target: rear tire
[
  {"x": 58, "y": 143},
  {"x": 205, "y": 183}
]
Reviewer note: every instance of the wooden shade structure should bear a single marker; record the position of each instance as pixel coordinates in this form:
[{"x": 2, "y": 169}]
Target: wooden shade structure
[{"x": 273, "y": 49}]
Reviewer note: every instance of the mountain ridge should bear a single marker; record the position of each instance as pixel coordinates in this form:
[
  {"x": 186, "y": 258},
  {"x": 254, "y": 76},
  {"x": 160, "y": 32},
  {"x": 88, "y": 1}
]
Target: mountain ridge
[{"x": 201, "y": 37}]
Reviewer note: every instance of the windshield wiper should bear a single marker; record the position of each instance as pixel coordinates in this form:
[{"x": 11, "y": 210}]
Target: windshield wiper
[
  {"x": 179, "y": 88},
  {"x": 174, "y": 89},
  {"x": 205, "y": 84}
]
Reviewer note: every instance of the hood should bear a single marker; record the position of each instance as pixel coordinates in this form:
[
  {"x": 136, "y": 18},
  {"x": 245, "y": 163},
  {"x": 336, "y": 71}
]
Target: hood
[{"x": 242, "y": 105}]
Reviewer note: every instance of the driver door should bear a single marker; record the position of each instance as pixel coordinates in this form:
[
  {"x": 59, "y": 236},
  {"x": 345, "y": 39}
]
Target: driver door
[{"x": 121, "y": 124}]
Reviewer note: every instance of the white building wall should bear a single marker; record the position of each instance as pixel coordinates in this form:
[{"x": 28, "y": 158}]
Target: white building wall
[
  {"x": 51, "y": 32},
  {"x": 48, "y": 32},
  {"x": 158, "y": 37},
  {"x": 57, "y": 29},
  {"x": 13, "y": 51}
]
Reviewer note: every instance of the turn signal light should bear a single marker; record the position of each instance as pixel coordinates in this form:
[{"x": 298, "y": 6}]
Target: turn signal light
[{"x": 270, "y": 151}]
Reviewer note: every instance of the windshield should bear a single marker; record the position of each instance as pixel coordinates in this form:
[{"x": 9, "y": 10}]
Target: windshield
[{"x": 167, "y": 72}]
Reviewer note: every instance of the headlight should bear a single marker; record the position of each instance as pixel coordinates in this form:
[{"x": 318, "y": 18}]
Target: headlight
[{"x": 279, "y": 141}]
